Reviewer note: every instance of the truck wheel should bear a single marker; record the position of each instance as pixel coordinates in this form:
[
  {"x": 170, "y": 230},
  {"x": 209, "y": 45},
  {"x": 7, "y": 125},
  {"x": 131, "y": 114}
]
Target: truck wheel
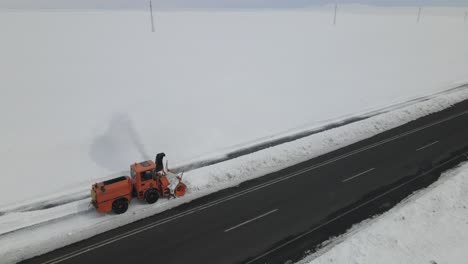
[
  {"x": 120, "y": 206},
  {"x": 151, "y": 196}
]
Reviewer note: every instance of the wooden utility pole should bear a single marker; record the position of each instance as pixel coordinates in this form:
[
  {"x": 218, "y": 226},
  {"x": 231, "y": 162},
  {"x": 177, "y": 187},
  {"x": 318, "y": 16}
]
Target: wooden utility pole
[
  {"x": 151, "y": 14},
  {"x": 419, "y": 14},
  {"x": 336, "y": 10}
]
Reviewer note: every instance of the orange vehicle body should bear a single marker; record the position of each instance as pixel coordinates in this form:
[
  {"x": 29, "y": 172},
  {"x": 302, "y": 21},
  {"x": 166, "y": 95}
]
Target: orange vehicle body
[{"x": 143, "y": 184}]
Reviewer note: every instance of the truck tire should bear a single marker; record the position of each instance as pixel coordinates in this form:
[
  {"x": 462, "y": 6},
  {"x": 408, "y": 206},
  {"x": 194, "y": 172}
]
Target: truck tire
[
  {"x": 151, "y": 196},
  {"x": 120, "y": 206}
]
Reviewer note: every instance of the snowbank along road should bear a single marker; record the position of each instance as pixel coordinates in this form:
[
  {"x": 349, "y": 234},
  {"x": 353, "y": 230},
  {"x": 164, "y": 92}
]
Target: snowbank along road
[{"x": 278, "y": 217}]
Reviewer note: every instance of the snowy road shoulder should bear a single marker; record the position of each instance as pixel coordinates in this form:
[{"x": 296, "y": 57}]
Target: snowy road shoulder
[
  {"x": 84, "y": 223},
  {"x": 45, "y": 237},
  {"x": 428, "y": 227}
]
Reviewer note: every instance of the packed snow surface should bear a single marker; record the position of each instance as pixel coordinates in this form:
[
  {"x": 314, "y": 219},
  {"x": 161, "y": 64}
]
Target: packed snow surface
[
  {"x": 430, "y": 227},
  {"x": 86, "y": 93}
]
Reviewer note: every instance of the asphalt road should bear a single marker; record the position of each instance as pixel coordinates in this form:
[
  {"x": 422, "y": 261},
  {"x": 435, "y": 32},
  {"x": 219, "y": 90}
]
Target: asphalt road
[{"x": 280, "y": 216}]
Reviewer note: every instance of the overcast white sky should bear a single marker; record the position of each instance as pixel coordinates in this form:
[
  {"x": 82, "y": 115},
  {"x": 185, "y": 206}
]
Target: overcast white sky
[{"x": 124, "y": 4}]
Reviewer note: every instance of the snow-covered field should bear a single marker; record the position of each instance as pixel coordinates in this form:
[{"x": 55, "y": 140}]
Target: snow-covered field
[
  {"x": 431, "y": 226},
  {"x": 86, "y": 93}
]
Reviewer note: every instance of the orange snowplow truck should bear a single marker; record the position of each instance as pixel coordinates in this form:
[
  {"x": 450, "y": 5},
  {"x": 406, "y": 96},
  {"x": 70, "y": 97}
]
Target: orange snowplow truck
[{"x": 148, "y": 181}]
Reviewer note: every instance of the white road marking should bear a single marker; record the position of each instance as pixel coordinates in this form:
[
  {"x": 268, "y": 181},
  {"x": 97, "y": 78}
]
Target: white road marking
[
  {"x": 351, "y": 210},
  {"x": 241, "y": 193},
  {"x": 251, "y": 220},
  {"x": 428, "y": 145},
  {"x": 357, "y": 175}
]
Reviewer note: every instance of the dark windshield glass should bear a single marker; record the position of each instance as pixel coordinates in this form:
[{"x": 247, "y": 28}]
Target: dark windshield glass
[{"x": 146, "y": 175}]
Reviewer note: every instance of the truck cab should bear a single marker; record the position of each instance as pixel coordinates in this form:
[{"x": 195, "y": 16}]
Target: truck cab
[{"x": 145, "y": 178}]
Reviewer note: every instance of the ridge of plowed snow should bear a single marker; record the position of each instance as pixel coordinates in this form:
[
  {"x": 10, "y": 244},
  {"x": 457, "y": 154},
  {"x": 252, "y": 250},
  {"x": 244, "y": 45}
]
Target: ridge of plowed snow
[{"x": 81, "y": 191}]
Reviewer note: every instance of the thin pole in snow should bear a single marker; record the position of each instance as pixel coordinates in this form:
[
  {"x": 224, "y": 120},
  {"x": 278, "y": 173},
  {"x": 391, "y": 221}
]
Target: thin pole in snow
[
  {"x": 466, "y": 16},
  {"x": 419, "y": 14},
  {"x": 336, "y": 10},
  {"x": 151, "y": 13}
]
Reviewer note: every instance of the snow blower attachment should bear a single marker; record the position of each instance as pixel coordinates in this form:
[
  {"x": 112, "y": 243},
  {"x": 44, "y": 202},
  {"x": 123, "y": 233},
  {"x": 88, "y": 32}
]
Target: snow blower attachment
[{"x": 147, "y": 181}]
